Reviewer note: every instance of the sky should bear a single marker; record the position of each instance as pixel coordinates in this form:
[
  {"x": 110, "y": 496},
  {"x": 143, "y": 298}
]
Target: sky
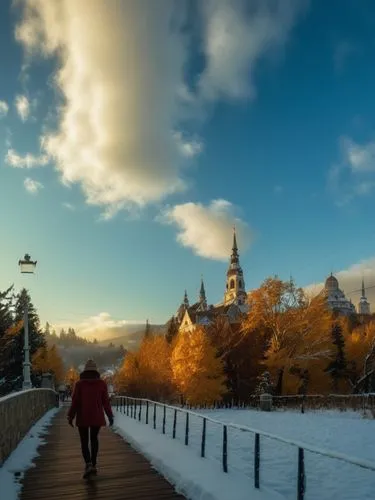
[{"x": 135, "y": 134}]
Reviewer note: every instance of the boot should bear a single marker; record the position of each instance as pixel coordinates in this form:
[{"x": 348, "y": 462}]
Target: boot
[{"x": 88, "y": 470}]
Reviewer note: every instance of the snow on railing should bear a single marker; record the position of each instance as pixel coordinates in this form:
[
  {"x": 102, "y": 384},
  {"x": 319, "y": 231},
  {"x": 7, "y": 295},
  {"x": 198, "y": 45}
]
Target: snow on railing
[{"x": 145, "y": 410}]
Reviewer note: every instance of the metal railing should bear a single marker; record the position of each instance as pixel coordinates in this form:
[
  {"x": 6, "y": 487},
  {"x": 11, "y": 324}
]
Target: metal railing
[{"x": 145, "y": 410}]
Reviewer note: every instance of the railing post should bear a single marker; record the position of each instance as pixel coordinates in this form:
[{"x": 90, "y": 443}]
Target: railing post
[
  {"x": 256, "y": 460},
  {"x": 131, "y": 409},
  {"x": 203, "y": 443},
  {"x": 117, "y": 403},
  {"x": 135, "y": 409},
  {"x": 140, "y": 411},
  {"x": 225, "y": 449},
  {"x": 174, "y": 424},
  {"x": 301, "y": 484},
  {"x": 164, "y": 415},
  {"x": 187, "y": 429},
  {"x": 146, "y": 412},
  {"x": 127, "y": 406},
  {"x": 154, "y": 415}
]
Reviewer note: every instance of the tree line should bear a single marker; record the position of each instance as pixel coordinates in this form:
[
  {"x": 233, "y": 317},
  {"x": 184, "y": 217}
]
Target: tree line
[{"x": 288, "y": 343}]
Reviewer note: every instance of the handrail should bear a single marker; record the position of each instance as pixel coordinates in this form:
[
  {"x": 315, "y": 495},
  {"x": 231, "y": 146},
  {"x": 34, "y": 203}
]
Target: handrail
[
  {"x": 134, "y": 410},
  {"x": 366, "y": 464}
]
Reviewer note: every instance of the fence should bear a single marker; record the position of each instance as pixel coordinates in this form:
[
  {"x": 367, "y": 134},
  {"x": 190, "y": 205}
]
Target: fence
[
  {"x": 18, "y": 412},
  {"x": 353, "y": 402},
  {"x": 149, "y": 412}
]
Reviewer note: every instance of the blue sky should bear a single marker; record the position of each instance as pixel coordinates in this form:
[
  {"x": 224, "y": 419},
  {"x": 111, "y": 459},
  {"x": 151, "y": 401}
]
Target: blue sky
[{"x": 134, "y": 137}]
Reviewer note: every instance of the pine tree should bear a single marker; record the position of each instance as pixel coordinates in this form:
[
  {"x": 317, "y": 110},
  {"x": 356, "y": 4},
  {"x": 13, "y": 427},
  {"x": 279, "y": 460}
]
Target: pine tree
[
  {"x": 337, "y": 368},
  {"x": 36, "y": 338},
  {"x": 265, "y": 385},
  {"x": 147, "y": 330},
  {"x": 172, "y": 330},
  {"x": 197, "y": 371}
]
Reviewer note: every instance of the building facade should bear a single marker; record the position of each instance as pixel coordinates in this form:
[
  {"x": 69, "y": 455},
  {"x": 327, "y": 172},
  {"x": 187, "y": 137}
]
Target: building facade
[
  {"x": 338, "y": 302},
  {"x": 233, "y": 306}
]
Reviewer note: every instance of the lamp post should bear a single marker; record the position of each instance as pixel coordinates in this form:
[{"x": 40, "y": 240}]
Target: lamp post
[{"x": 27, "y": 266}]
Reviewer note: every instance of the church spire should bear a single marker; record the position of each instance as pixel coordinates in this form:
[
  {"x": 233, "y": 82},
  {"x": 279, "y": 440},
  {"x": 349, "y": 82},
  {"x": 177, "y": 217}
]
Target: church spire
[
  {"x": 202, "y": 295},
  {"x": 235, "y": 286},
  {"x": 364, "y": 305},
  {"x": 363, "y": 288},
  {"x": 234, "y": 259},
  {"x": 186, "y": 300}
]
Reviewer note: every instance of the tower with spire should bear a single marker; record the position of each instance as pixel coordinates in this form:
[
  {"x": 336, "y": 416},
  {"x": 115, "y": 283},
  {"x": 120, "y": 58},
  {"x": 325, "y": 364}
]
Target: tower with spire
[
  {"x": 235, "y": 292},
  {"x": 363, "y": 305},
  {"x": 202, "y": 297}
]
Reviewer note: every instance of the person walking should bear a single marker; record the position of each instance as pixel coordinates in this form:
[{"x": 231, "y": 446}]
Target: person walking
[{"x": 89, "y": 402}]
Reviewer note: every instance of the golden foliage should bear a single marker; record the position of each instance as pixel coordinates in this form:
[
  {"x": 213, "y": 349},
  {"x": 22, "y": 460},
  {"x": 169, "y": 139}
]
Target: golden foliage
[
  {"x": 47, "y": 359},
  {"x": 296, "y": 327},
  {"x": 71, "y": 377},
  {"x": 197, "y": 371},
  {"x": 147, "y": 372},
  {"x": 359, "y": 345}
]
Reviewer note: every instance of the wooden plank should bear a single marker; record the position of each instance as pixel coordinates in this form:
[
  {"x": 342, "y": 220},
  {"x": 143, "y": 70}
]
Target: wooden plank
[{"x": 123, "y": 474}]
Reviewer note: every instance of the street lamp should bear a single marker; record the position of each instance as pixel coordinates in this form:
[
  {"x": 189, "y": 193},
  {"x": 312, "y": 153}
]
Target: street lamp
[{"x": 27, "y": 266}]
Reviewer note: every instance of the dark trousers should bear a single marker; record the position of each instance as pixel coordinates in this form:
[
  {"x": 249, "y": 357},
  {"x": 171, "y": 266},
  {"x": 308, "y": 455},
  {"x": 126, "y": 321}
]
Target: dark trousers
[{"x": 84, "y": 433}]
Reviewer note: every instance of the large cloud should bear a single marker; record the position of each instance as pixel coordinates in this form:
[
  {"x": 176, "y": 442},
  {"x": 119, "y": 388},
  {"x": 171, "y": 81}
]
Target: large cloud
[
  {"x": 121, "y": 74},
  {"x": 350, "y": 281},
  {"x": 207, "y": 230}
]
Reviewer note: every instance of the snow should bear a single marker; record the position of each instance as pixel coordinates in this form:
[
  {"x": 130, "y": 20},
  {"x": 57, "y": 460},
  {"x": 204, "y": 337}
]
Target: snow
[
  {"x": 193, "y": 476},
  {"x": 343, "y": 436},
  {"x": 22, "y": 457}
]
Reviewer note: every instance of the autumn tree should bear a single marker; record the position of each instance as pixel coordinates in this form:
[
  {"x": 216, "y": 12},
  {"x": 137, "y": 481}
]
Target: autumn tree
[
  {"x": 197, "y": 371},
  {"x": 71, "y": 377},
  {"x": 48, "y": 360},
  {"x": 296, "y": 328},
  {"x": 147, "y": 372},
  {"x": 360, "y": 354}
]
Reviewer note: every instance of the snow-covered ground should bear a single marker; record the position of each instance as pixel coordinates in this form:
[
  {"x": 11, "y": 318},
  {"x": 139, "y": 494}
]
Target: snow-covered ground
[
  {"x": 344, "y": 433},
  {"x": 22, "y": 458}
]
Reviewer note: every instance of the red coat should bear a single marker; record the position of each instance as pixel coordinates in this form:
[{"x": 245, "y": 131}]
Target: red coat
[{"x": 89, "y": 402}]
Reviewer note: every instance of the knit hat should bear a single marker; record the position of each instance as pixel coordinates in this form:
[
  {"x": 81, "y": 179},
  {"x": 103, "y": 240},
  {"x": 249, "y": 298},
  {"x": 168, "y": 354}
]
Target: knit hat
[{"x": 90, "y": 366}]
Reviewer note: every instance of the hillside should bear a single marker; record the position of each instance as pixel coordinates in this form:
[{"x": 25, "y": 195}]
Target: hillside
[{"x": 131, "y": 341}]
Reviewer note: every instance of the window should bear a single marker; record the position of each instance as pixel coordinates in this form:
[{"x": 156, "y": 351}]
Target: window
[{"x": 231, "y": 285}]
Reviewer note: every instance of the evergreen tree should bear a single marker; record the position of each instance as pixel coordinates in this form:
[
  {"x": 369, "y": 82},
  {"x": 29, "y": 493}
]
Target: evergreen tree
[
  {"x": 265, "y": 385},
  {"x": 172, "y": 330},
  {"x": 7, "y": 333},
  {"x": 337, "y": 368},
  {"x": 147, "y": 330},
  {"x": 36, "y": 337}
]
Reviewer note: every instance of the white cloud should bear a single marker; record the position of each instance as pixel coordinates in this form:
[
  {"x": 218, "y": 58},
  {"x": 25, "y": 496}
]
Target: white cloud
[
  {"x": 354, "y": 175},
  {"x": 124, "y": 92},
  {"x": 350, "y": 281},
  {"x": 32, "y": 186},
  {"x": 237, "y": 34},
  {"x": 14, "y": 159},
  {"x": 22, "y": 105},
  {"x": 4, "y": 108},
  {"x": 360, "y": 157},
  {"x": 69, "y": 206},
  {"x": 207, "y": 230}
]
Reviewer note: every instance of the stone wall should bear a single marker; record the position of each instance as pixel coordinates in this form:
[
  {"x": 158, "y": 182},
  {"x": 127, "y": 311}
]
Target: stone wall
[{"x": 18, "y": 413}]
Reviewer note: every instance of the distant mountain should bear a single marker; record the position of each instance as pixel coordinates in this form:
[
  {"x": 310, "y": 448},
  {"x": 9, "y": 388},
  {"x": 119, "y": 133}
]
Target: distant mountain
[
  {"x": 132, "y": 339},
  {"x": 104, "y": 356}
]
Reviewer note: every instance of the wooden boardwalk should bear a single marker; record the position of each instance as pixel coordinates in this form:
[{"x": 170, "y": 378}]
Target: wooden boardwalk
[{"x": 123, "y": 474}]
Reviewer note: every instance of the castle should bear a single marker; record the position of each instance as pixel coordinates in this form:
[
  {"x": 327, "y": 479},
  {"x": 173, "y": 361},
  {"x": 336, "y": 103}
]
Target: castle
[
  {"x": 337, "y": 301},
  {"x": 234, "y": 303}
]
